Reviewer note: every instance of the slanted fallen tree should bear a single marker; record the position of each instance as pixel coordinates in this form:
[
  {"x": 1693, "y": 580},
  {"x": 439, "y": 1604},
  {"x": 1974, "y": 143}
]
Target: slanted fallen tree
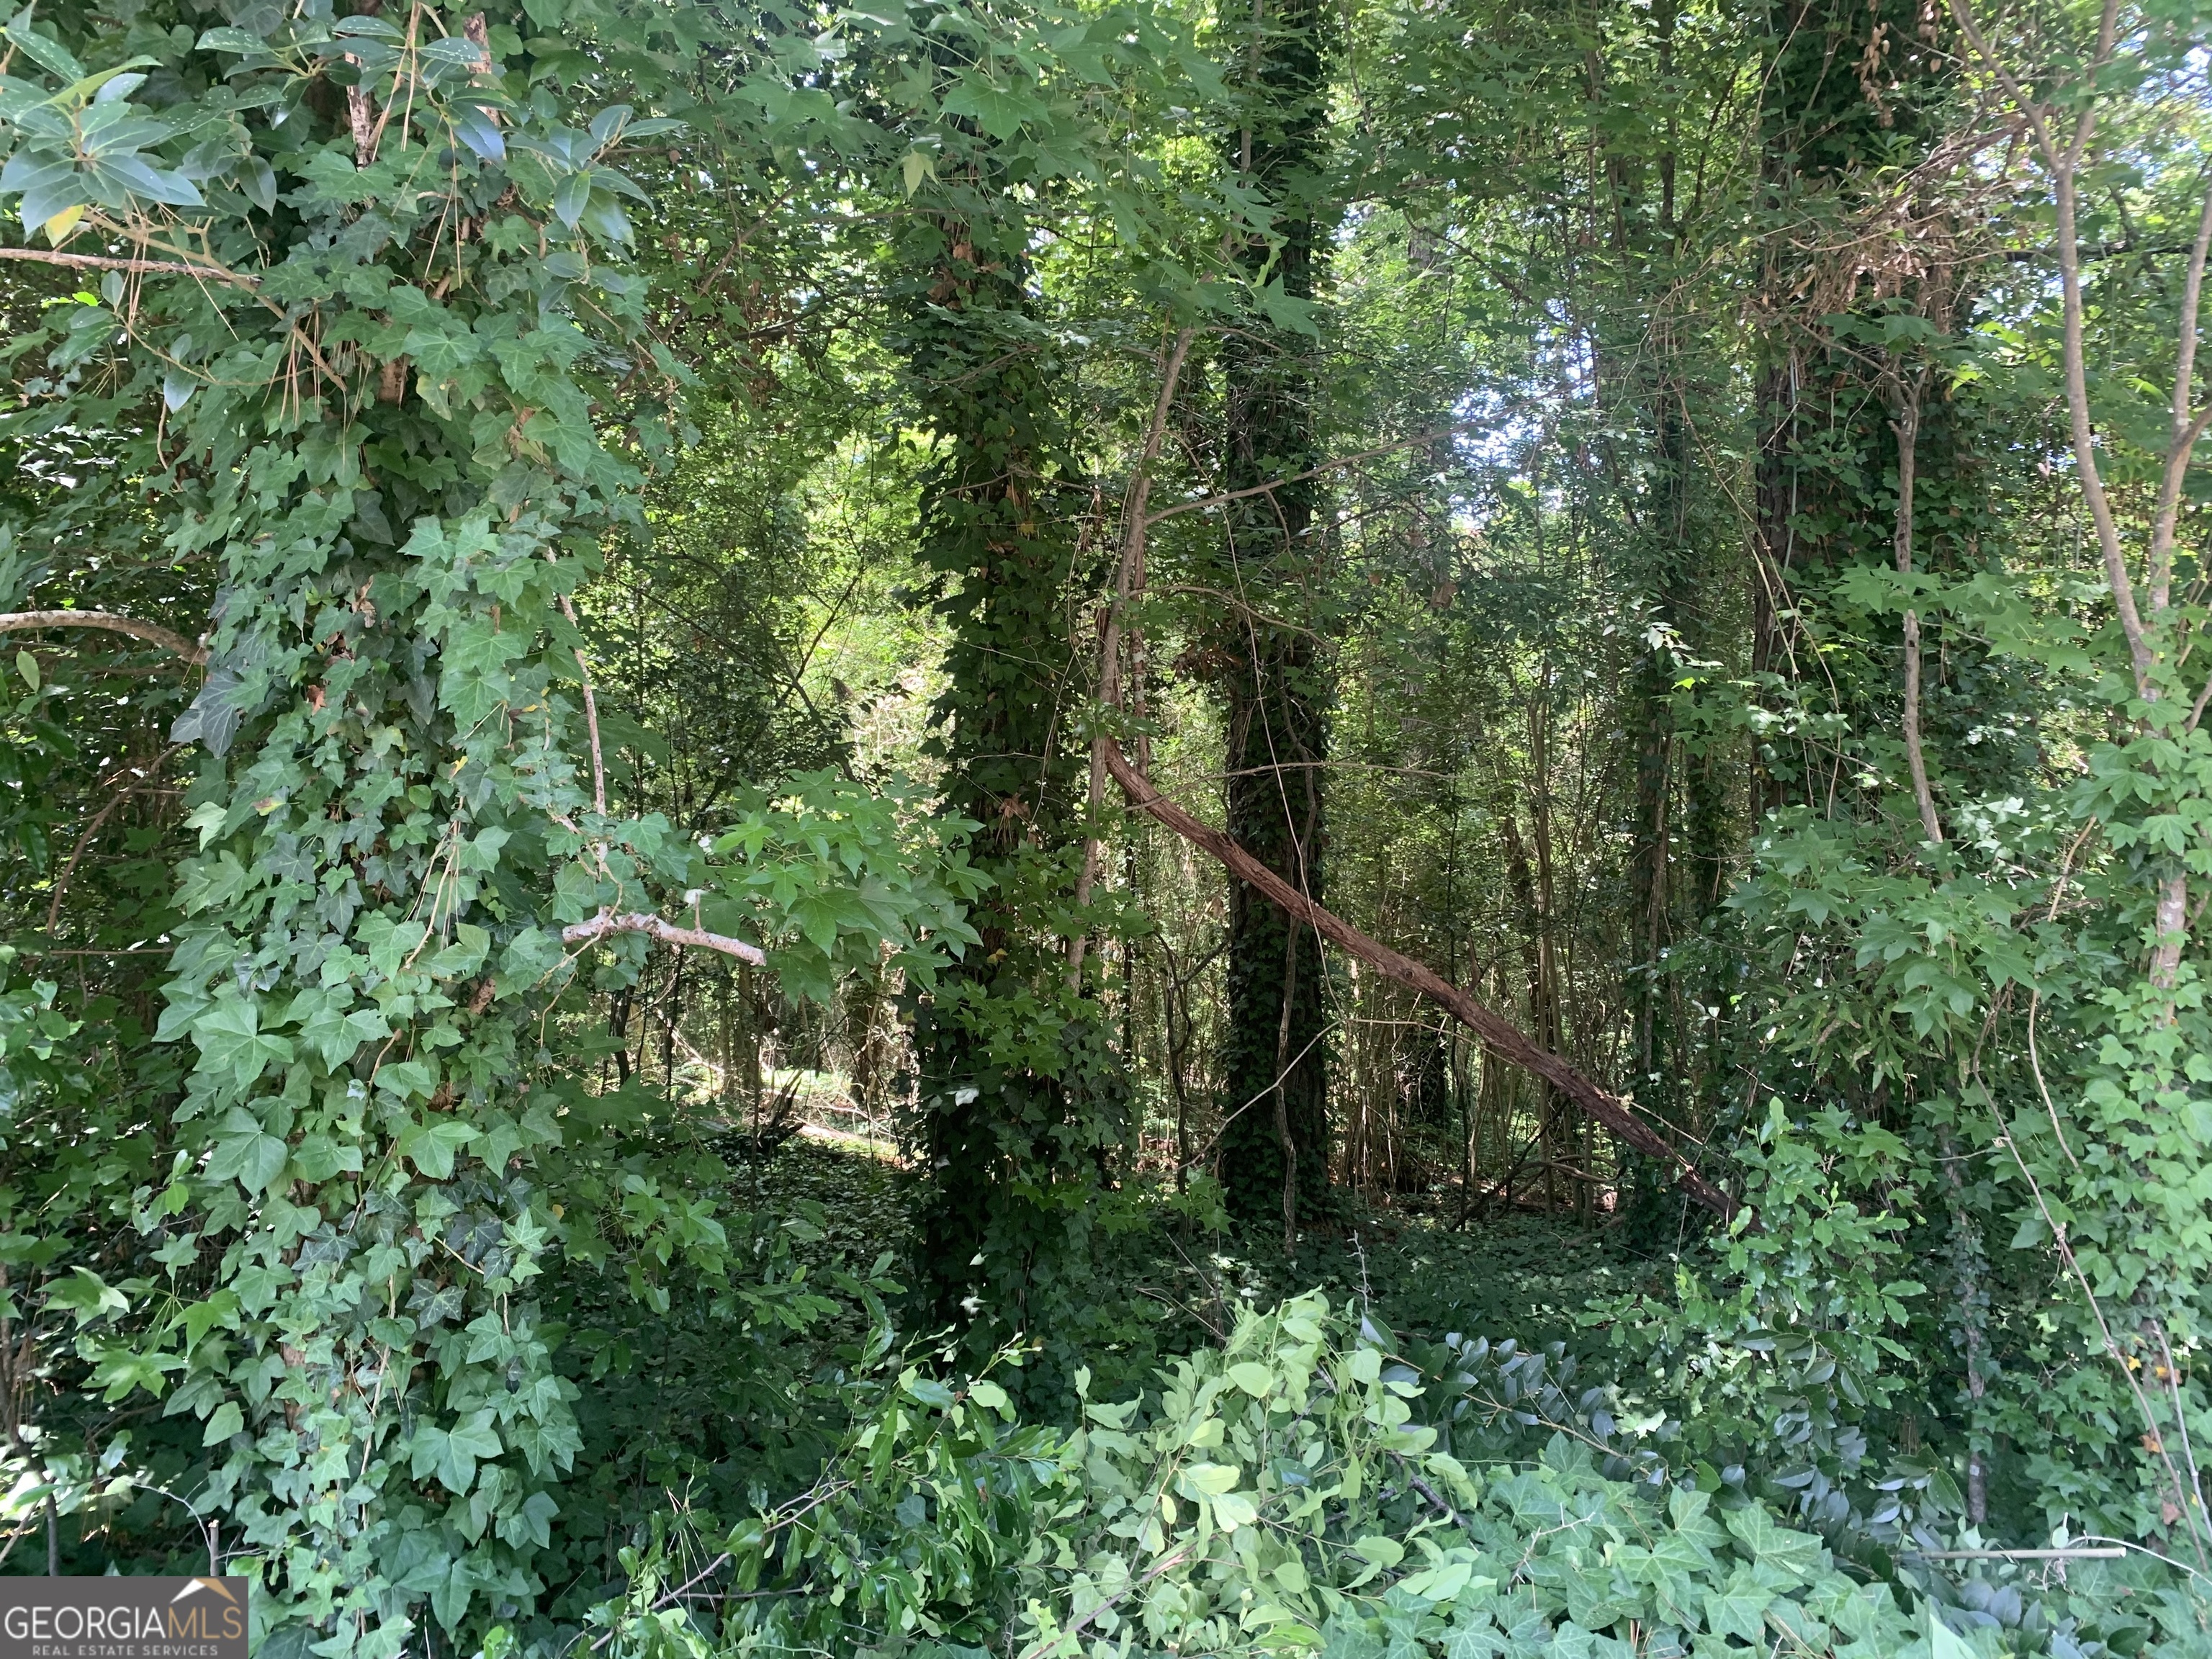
[{"x": 1499, "y": 1034}]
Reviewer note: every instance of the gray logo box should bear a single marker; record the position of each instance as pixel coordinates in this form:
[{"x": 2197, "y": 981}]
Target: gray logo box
[{"x": 122, "y": 1618}]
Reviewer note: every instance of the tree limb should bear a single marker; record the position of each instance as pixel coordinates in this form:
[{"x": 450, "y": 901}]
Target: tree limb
[
  {"x": 137, "y": 267},
  {"x": 17, "y": 620},
  {"x": 1907, "y": 428},
  {"x": 1503, "y": 1038},
  {"x": 668, "y": 932},
  {"x": 1128, "y": 581}
]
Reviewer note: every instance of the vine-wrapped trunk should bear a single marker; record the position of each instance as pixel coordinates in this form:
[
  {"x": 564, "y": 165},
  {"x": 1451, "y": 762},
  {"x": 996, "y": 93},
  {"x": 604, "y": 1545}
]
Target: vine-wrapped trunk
[{"x": 1275, "y": 1141}]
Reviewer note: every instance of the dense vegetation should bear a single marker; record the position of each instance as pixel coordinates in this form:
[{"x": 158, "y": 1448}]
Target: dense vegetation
[{"x": 1089, "y": 826}]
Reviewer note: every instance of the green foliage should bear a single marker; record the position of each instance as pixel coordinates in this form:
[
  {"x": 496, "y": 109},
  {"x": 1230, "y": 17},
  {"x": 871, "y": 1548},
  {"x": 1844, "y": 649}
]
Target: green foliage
[
  {"x": 1279, "y": 1494},
  {"x": 379, "y": 414}
]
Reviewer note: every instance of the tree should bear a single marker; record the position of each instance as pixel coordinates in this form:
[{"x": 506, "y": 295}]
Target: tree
[{"x": 1275, "y": 1146}]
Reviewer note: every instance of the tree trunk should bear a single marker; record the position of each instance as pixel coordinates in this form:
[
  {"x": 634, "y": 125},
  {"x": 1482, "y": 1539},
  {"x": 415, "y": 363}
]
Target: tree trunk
[
  {"x": 1275, "y": 685},
  {"x": 998, "y": 1241}
]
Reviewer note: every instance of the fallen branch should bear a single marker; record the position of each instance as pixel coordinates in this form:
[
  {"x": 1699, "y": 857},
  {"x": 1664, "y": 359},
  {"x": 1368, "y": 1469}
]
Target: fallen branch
[
  {"x": 1500, "y": 1036},
  {"x": 668, "y": 932},
  {"x": 15, "y": 621}
]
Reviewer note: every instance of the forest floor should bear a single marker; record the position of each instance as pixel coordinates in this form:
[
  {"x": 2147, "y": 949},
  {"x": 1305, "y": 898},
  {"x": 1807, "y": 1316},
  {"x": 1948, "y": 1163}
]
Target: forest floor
[
  {"x": 1508, "y": 1274},
  {"x": 718, "y": 1401}
]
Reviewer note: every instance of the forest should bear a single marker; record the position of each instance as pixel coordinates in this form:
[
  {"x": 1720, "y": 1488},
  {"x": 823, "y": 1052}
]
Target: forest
[{"x": 1092, "y": 829}]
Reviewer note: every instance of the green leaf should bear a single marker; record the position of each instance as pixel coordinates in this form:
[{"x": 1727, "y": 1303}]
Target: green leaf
[
  {"x": 229, "y": 1038},
  {"x": 1739, "y": 1609},
  {"x": 431, "y": 1146},
  {"x": 1209, "y": 1479},
  {"x": 1253, "y": 1377},
  {"x": 88, "y": 1296},
  {"x": 999, "y": 111},
  {"x": 572, "y": 199},
  {"x": 1772, "y": 1545},
  {"x": 336, "y": 1036},
  {"x": 452, "y": 1454},
  {"x": 246, "y": 1152},
  {"x": 1382, "y": 1551},
  {"x": 1944, "y": 1643},
  {"x": 28, "y": 667},
  {"x": 225, "y": 1421},
  {"x": 48, "y": 53}
]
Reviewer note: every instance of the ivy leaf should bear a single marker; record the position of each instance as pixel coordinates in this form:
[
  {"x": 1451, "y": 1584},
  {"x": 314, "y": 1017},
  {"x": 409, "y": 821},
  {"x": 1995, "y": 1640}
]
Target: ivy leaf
[
  {"x": 390, "y": 943},
  {"x": 531, "y": 1524},
  {"x": 476, "y": 681},
  {"x": 225, "y": 1421},
  {"x": 1772, "y": 1545},
  {"x": 1943, "y": 1641},
  {"x": 1739, "y": 1607},
  {"x": 431, "y": 1148},
  {"x": 201, "y": 1317},
  {"x": 246, "y": 1152},
  {"x": 336, "y": 1035},
  {"x": 464, "y": 956},
  {"x": 212, "y": 718},
  {"x": 229, "y": 1037},
  {"x": 452, "y": 1454},
  {"x": 88, "y": 1296},
  {"x": 408, "y": 1079}
]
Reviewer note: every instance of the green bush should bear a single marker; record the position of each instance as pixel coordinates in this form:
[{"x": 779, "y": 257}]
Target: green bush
[{"x": 1281, "y": 1493}]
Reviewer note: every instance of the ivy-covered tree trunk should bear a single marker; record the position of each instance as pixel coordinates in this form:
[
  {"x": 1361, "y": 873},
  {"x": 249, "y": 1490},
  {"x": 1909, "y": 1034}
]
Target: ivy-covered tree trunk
[
  {"x": 1852, "y": 89},
  {"x": 1275, "y": 1146},
  {"x": 1019, "y": 1091},
  {"x": 366, "y": 314}
]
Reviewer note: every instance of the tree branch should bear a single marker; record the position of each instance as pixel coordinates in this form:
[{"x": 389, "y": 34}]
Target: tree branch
[
  {"x": 608, "y": 922},
  {"x": 2188, "y": 426},
  {"x": 1129, "y": 580},
  {"x": 1503, "y": 1038},
  {"x": 137, "y": 267},
  {"x": 2066, "y": 243},
  {"x": 13, "y": 621},
  {"x": 1907, "y": 428},
  {"x": 1273, "y": 485}
]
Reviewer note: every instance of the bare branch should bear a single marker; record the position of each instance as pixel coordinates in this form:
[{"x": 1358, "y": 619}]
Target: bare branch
[
  {"x": 2067, "y": 245},
  {"x": 1503, "y": 1038},
  {"x": 144, "y": 780},
  {"x": 1341, "y": 461},
  {"x": 13, "y": 621},
  {"x": 137, "y": 267},
  {"x": 2187, "y": 427},
  {"x": 1129, "y": 579},
  {"x": 608, "y": 922}
]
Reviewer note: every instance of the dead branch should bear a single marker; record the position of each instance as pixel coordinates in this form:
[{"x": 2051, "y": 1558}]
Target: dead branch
[
  {"x": 136, "y": 267},
  {"x": 668, "y": 932},
  {"x": 1500, "y": 1036},
  {"x": 17, "y": 621},
  {"x": 1129, "y": 582}
]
